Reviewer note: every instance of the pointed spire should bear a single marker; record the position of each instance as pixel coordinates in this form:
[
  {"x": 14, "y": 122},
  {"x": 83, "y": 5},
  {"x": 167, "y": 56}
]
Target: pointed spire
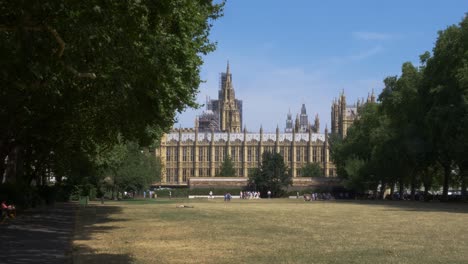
[
  {"x": 261, "y": 129},
  {"x": 227, "y": 68},
  {"x": 245, "y": 129},
  {"x": 227, "y": 84},
  {"x": 373, "y": 96},
  {"x": 277, "y": 129},
  {"x": 317, "y": 123}
]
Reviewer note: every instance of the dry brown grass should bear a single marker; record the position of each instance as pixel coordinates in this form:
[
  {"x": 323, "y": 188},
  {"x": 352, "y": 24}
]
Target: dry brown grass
[{"x": 272, "y": 231}]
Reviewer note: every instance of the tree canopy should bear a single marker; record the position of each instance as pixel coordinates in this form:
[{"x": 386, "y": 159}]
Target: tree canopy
[
  {"x": 227, "y": 168},
  {"x": 272, "y": 175},
  {"x": 417, "y": 134},
  {"x": 311, "y": 170},
  {"x": 127, "y": 167},
  {"x": 78, "y": 75}
]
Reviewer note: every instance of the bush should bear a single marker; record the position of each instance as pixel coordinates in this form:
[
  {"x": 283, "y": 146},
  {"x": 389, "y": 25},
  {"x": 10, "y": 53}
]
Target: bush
[{"x": 83, "y": 190}]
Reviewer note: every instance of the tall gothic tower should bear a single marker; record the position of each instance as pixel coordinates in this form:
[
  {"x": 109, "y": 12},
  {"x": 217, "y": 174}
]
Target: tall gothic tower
[
  {"x": 230, "y": 116},
  {"x": 289, "y": 123},
  {"x": 304, "y": 120}
]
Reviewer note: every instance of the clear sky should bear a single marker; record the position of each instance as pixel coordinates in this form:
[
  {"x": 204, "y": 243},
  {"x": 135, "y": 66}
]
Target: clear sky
[{"x": 285, "y": 53}]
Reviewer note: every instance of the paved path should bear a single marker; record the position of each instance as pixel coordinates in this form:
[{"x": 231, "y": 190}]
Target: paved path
[{"x": 39, "y": 236}]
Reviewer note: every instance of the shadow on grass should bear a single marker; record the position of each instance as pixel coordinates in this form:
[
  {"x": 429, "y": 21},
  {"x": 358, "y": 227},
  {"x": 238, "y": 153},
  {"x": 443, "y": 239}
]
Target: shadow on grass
[
  {"x": 90, "y": 221},
  {"x": 414, "y": 205},
  {"x": 93, "y": 219},
  {"x": 40, "y": 235},
  {"x": 85, "y": 255}
]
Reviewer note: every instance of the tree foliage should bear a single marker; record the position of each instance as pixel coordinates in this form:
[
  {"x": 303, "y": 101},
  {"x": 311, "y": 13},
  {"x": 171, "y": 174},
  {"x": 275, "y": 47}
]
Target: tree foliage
[
  {"x": 227, "y": 168},
  {"x": 272, "y": 175},
  {"x": 127, "y": 167},
  {"x": 312, "y": 170},
  {"x": 417, "y": 134},
  {"x": 80, "y": 74}
]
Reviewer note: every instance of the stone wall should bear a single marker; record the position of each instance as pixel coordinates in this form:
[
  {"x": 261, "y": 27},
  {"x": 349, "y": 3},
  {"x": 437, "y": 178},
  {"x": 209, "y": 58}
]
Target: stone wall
[{"x": 240, "y": 182}]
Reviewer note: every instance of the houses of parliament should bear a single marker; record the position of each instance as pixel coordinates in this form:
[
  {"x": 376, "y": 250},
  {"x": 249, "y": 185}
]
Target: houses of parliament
[{"x": 188, "y": 153}]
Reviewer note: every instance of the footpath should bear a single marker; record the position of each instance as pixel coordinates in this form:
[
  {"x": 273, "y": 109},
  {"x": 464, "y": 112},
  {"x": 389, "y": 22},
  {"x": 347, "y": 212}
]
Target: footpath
[{"x": 39, "y": 236}]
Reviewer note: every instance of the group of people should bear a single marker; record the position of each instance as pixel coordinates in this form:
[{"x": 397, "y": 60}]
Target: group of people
[
  {"x": 318, "y": 196},
  {"x": 150, "y": 194},
  {"x": 8, "y": 210},
  {"x": 249, "y": 195}
]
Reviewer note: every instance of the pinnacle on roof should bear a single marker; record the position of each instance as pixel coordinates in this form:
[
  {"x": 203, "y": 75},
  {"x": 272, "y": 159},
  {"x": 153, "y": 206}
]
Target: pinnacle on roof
[
  {"x": 373, "y": 96},
  {"x": 303, "y": 110},
  {"x": 227, "y": 68}
]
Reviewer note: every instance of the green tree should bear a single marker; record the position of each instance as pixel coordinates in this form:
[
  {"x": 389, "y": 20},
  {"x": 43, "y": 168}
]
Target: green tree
[
  {"x": 272, "y": 175},
  {"x": 353, "y": 154},
  {"x": 406, "y": 131},
  {"x": 78, "y": 74},
  {"x": 128, "y": 167},
  {"x": 227, "y": 168},
  {"x": 311, "y": 170},
  {"x": 444, "y": 93}
]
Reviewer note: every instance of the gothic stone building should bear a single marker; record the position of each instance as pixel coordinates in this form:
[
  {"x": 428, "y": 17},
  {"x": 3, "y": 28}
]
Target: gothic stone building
[
  {"x": 188, "y": 153},
  {"x": 199, "y": 152},
  {"x": 343, "y": 115},
  {"x": 224, "y": 114}
]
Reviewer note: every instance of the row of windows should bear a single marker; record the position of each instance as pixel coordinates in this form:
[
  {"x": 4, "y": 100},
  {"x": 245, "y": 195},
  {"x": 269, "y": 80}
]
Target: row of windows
[
  {"x": 204, "y": 154},
  {"x": 172, "y": 174},
  {"x": 172, "y": 153}
]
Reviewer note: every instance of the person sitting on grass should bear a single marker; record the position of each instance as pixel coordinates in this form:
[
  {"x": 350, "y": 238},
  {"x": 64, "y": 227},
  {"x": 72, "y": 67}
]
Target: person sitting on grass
[{"x": 9, "y": 210}]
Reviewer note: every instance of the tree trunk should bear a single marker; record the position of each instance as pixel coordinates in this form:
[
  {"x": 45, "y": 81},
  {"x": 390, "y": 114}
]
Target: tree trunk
[
  {"x": 113, "y": 190},
  {"x": 427, "y": 187},
  {"x": 14, "y": 169},
  {"x": 2, "y": 168},
  {"x": 401, "y": 189},
  {"x": 447, "y": 171},
  {"x": 464, "y": 181},
  {"x": 3, "y": 155},
  {"x": 382, "y": 190},
  {"x": 413, "y": 187},
  {"x": 392, "y": 189}
]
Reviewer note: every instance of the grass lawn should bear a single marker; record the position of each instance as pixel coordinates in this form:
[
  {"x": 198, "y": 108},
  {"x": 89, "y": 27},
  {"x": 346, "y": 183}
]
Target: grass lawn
[{"x": 271, "y": 231}]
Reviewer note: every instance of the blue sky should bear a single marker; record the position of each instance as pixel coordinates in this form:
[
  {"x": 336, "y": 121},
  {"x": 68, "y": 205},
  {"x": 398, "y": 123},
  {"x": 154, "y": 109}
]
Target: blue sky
[{"x": 284, "y": 54}]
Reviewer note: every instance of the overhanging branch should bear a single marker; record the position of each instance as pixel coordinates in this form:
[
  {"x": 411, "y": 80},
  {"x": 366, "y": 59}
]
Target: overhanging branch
[{"x": 59, "y": 41}]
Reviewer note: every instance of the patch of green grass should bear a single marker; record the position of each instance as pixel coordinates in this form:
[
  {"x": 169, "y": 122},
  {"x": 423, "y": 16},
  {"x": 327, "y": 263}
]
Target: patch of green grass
[{"x": 272, "y": 231}]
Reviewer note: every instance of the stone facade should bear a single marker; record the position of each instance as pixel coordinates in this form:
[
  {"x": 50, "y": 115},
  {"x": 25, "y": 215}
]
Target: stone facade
[
  {"x": 198, "y": 153},
  {"x": 343, "y": 115},
  {"x": 188, "y": 153},
  {"x": 224, "y": 114},
  {"x": 302, "y": 124}
]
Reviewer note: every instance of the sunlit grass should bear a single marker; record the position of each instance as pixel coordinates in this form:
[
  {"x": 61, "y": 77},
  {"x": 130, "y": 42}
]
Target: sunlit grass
[{"x": 272, "y": 231}]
